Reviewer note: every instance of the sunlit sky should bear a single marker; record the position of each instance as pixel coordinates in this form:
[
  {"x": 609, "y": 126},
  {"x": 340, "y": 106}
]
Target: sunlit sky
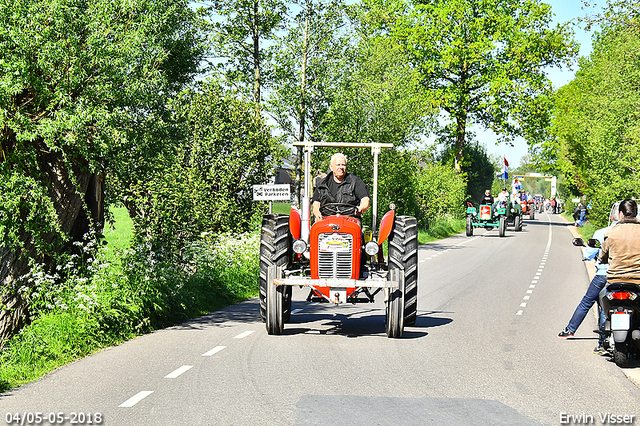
[{"x": 564, "y": 10}]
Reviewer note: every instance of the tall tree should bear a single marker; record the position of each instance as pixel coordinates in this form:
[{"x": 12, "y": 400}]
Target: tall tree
[
  {"x": 240, "y": 30},
  {"x": 304, "y": 64},
  {"x": 81, "y": 79},
  {"x": 482, "y": 61},
  {"x": 595, "y": 126}
]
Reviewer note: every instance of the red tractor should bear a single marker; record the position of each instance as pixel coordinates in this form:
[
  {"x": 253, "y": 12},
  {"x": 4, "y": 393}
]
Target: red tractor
[
  {"x": 336, "y": 260},
  {"x": 528, "y": 208}
]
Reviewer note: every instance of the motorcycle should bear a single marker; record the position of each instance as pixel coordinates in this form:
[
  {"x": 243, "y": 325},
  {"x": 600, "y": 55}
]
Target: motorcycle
[{"x": 621, "y": 305}]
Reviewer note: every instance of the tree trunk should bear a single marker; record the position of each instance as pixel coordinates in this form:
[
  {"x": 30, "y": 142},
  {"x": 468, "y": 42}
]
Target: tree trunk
[
  {"x": 256, "y": 56},
  {"x": 461, "y": 124},
  {"x": 303, "y": 107},
  {"x": 78, "y": 204}
]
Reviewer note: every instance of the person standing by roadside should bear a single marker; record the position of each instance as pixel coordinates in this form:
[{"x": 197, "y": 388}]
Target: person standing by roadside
[{"x": 597, "y": 284}]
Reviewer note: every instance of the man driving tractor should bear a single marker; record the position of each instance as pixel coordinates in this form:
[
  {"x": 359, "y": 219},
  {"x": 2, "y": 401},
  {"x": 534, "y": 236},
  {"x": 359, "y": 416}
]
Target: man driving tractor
[{"x": 340, "y": 187}]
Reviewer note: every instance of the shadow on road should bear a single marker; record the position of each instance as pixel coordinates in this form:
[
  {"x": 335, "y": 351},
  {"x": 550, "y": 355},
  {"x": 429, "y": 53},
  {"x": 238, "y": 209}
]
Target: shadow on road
[{"x": 369, "y": 322}]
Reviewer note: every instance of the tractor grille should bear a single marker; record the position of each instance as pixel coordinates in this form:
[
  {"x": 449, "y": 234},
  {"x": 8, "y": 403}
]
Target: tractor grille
[{"x": 335, "y": 262}]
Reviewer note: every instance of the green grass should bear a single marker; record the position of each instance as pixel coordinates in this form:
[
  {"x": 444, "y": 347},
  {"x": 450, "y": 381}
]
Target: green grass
[
  {"x": 118, "y": 235},
  {"x": 440, "y": 230},
  {"x": 284, "y": 208}
]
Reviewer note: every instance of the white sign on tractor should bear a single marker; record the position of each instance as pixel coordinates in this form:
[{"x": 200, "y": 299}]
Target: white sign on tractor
[{"x": 272, "y": 192}]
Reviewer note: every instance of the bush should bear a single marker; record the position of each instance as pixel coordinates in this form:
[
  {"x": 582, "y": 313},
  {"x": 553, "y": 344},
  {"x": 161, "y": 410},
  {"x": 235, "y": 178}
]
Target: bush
[
  {"x": 137, "y": 294},
  {"x": 441, "y": 193}
]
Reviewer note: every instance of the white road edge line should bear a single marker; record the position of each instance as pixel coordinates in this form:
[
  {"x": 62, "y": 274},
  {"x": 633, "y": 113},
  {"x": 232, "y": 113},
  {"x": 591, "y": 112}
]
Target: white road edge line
[
  {"x": 178, "y": 372},
  {"x": 214, "y": 351},
  {"x": 244, "y": 334},
  {"x": 135, "y": 399}
]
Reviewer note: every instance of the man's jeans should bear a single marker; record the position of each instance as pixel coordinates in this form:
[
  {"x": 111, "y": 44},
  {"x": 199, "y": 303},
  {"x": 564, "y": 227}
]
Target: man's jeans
[{"x": 590, "y": 297}]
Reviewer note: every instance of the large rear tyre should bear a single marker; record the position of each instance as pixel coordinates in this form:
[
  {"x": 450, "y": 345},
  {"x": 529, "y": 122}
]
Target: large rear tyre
[
  {"x": 532, "y": 216},
  {"x": 621, "y": 355},
  {"x": 469, "y": 226},
  {"x": 517, "y": 223},
  {"x": 275, "y": 250},
  {"x": 503, "y": 226},
  {"x": 403, "y": 256}
]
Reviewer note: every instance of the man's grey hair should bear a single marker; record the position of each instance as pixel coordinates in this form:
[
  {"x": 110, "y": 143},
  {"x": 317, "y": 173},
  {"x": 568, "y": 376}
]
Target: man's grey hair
[{"x": 336, "y": 155}]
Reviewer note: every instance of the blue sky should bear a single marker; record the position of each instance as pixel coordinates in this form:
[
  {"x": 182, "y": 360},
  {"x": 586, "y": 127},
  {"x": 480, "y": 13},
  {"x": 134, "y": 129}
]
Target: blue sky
[{"x": 564, "y": 10}]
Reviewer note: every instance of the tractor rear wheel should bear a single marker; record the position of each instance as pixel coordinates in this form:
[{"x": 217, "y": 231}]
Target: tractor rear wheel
[
  {"x": 532, "y": 216},
  {"x": 503, "y": 226},
  {"x": 275, "y": 250},
  {"x": 403, "y": 256},
  {"x": 469, "y": 226}
]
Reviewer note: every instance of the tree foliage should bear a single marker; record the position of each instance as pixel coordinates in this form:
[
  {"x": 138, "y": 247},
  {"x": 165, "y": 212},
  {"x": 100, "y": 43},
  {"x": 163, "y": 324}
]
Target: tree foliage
[
  {"x": 80, "y": 79},
  {"x": 223, "y": 148},
  {"x": 239, "y": 31},
  {"x": 596, "y": 124},
  {"x": 481, "y": 62}
]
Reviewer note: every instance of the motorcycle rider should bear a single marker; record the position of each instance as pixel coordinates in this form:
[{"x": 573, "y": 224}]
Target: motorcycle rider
[
  {"x": 621, "y": 246},
  {"x": 597, "y": 284},
  {"x": 340, "y": 187}
]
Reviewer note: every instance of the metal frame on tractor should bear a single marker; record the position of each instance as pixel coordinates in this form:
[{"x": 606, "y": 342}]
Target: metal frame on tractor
[{"x": 335, "y": 259}]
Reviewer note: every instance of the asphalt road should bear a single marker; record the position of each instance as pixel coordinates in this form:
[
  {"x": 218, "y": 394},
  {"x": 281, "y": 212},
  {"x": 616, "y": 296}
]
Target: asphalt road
[{"x": 484, "y": 351}]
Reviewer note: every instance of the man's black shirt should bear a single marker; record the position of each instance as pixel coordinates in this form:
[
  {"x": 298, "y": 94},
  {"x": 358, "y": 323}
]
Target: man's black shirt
[{"x": 327, "y": 190}]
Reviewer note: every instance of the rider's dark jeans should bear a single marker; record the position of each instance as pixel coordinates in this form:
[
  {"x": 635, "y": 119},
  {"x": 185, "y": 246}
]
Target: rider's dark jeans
[{"x": 590, "y": 297}]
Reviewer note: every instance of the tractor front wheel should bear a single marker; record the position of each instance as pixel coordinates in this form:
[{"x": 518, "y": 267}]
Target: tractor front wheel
[
  {"x": 469, "y": 226},
  {"x": 503, "y": 226},
  {"x": 275, "y": 251},
  {"x": 275, "y": 303},
  {"x": 394, "y": 320}
]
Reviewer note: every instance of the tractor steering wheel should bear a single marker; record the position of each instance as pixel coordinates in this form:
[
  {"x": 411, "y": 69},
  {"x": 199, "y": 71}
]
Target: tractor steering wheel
[{"x": 338, "y": 208}]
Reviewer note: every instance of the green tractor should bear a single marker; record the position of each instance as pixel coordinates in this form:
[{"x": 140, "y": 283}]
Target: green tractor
[
  {"x": 487, "y": 216},
  {"x": 514, "y": 214}
]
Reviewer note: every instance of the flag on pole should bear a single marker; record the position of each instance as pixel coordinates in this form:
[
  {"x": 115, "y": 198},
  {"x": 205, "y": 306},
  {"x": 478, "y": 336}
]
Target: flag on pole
[{"x": 505, "y": 174}]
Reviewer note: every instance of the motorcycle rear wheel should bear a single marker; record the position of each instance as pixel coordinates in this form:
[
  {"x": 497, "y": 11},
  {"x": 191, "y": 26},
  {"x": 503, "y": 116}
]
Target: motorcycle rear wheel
[{"x": 621, "y": 355}]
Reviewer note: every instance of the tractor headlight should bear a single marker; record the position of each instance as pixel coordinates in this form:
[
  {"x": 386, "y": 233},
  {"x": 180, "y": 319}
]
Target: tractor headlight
[
  {"x": 299, "y": 246},
  {"x": 371, "y": 248},
  {"x": 475, "y": 214}
]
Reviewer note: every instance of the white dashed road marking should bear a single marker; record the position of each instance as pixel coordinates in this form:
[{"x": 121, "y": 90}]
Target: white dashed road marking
[
  {"x": 243, "y": 335},
  {"x": 178, "y": 372},
  {"x": 214, "y": 351},
  {"x": 135, "y": 399},
  {"x": 538, "y": 272},
  {"x": 438, "y": 253}
]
